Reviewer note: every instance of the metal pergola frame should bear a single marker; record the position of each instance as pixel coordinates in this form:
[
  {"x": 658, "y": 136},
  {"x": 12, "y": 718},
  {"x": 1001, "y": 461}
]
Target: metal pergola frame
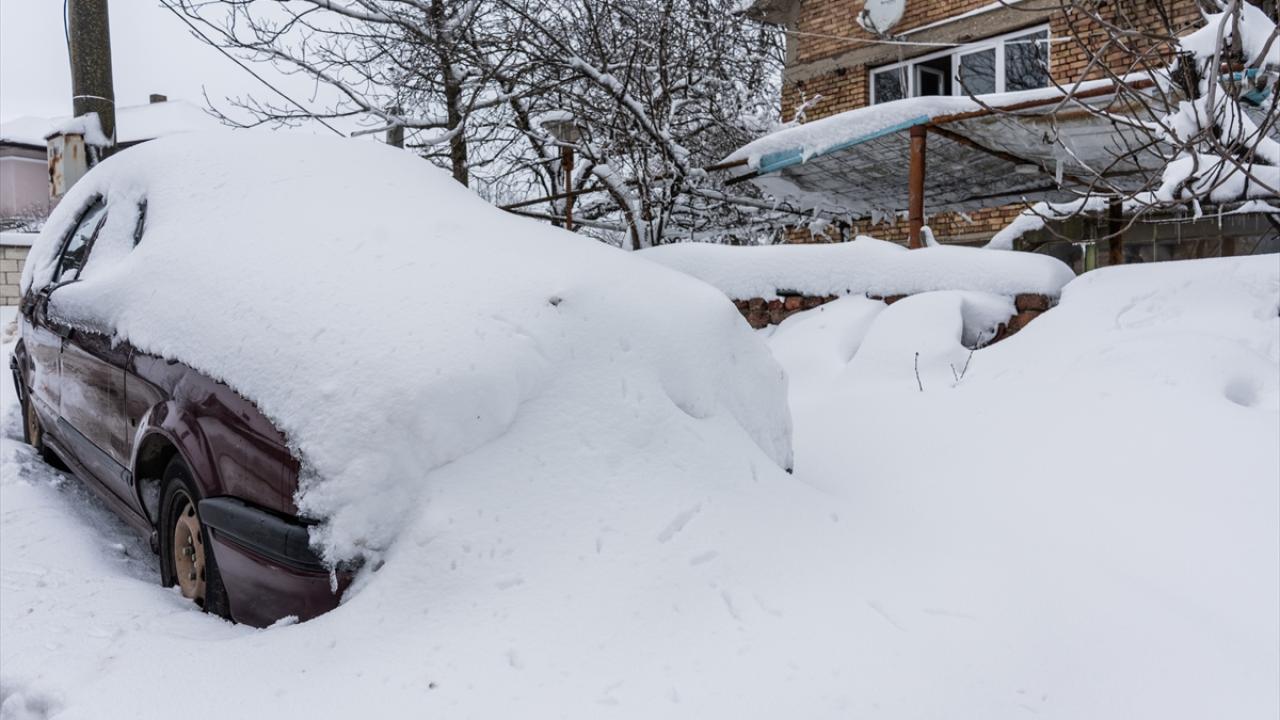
[{"x": 949, "y": 191}]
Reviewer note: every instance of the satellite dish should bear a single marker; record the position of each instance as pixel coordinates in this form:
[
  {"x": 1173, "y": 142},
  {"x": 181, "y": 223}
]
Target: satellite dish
[{"x": 879, "y": 16}]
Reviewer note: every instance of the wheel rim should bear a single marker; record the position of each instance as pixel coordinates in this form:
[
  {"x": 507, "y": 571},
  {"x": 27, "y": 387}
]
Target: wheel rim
[{"x": 188, "y": 551}]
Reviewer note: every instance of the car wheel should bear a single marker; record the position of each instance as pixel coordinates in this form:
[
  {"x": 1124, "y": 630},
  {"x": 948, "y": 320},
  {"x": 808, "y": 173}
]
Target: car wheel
[
  {"x": 33, "y": 435},
  {"x": 186, "y": 558}
]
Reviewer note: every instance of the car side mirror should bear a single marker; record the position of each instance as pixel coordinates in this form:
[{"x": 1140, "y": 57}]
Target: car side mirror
[{"x": 40, "y": 311}]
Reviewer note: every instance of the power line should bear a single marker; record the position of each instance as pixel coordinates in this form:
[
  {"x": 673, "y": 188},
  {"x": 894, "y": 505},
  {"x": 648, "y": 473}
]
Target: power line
[
  {"x": 187, "y": 21},
  {"x": 914, "y": 43}
]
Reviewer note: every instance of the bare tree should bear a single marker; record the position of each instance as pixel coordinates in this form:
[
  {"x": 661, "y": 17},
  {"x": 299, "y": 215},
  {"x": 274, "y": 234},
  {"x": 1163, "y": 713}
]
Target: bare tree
[
  {"x": 423, "y": 65},
  {"x": 655, "y": 91}
]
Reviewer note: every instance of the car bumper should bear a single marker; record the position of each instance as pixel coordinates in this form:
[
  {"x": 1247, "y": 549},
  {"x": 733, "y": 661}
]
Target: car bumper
[{"x": 267, "y": 565}]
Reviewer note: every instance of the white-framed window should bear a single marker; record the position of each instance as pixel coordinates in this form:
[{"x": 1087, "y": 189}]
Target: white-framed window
[{"x": 1006, "y": 63}]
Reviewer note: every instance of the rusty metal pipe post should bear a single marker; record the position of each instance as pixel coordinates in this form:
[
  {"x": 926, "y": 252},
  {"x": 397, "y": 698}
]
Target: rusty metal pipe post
[{"x": 915, "y": 186}]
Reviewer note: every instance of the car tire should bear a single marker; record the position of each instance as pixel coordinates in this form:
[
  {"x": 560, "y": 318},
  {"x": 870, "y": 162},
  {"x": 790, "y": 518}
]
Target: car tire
[
  {"x": 33, "y": 433},
  {"x": 186, "y": 557}
]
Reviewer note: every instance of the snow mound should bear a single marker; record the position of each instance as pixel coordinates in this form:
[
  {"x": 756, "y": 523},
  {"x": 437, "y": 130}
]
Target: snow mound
[
  {"x": 925, "y": 341},
  {"x": 1086, "y": 525},
  {"x": 865, "y": 265},
  {"x": 390, "y": 322}
]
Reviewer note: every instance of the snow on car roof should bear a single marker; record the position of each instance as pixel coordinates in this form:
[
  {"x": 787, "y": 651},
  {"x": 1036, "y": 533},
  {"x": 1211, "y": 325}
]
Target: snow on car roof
[{"x": 391, "y": 322}]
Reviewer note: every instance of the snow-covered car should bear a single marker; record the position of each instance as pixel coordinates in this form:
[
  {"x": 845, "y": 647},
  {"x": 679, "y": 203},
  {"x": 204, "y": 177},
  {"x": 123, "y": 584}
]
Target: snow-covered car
[{"x": 255, "y": 347}]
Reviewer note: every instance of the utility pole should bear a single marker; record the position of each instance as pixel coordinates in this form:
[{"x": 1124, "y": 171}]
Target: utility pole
[{"x": 89, "y": 35}]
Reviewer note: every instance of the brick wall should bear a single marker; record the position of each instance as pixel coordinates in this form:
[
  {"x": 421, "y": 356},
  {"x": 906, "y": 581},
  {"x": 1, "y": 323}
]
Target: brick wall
[
  {"x": 827, "y": 59},
  {"x": 761, "y": 313},
  {"x": 12, "y": 258}
]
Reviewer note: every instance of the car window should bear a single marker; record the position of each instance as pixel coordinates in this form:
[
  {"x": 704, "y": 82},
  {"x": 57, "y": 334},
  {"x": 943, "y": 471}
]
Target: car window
[{"x": 78, "y": 244}]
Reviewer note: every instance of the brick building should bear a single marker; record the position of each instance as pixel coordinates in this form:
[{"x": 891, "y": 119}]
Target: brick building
[{"x": 834, "y": 64}]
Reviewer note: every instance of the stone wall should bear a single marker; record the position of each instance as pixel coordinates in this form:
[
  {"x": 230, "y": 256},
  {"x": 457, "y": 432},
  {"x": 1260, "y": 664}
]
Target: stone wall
[
  {"x": 12, "y": 257},
  {"x": 760, "y": 312}
]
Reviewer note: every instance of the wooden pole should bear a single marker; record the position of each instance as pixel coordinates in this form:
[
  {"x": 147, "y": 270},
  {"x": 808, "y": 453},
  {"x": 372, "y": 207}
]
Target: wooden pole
[
  {"x": 1115, "y": 228},
  {"x": 915, "y": 186}
]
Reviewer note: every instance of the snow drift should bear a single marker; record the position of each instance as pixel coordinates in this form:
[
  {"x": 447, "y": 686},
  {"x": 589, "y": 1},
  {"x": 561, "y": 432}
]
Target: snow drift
[
  {"x": 1084, "y": 526},
  {"x": 389, "y": 321}
]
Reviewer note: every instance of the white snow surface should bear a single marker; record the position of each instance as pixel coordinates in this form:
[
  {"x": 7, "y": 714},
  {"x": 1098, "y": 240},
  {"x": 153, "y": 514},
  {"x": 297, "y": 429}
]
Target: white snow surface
[
  {"x": 864, "y": 265},
  {"x": 1084, "y": 525},
  {"x": 11, "y": 238},
  {"x": 88, "y": 125},
  {"x": 391, "y": 323}
]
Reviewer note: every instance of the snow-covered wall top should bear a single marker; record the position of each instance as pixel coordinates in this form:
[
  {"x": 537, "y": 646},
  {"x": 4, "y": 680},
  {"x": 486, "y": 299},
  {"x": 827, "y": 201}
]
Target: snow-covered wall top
[
  {"x": 390, "y": 322},
  {"x": 865, "y": 265},
  {"x": 17, "y": 239}
]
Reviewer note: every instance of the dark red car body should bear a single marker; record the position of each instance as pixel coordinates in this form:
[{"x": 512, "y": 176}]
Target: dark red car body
[{"x": 116, "y": 417}]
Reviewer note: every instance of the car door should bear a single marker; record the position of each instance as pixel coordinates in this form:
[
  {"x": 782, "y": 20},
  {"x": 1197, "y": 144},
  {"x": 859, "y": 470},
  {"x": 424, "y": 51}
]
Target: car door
[
  {"x": 42, "y": 338},
  {"x": 91, "y": 378}
]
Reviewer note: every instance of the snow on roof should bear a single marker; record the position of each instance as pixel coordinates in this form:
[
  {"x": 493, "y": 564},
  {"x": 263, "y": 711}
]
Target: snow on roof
[
  {"x": 27, "y": 130},
  {"x": 153, "y": 120},
  {"x": 821, "y": 137},
  {"x": 133, "y": 123},
  {"x": 855, "y": 162},
  {"x": 391, "y": 322},
  {"x": 865, "y": 265}
]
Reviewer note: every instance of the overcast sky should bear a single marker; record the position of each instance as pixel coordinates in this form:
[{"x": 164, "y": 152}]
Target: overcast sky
[{"x": 151, "y": 52}]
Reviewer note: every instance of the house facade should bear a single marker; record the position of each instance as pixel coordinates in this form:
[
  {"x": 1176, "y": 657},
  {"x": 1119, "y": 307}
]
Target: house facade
[
  {"x": 24, "y": 173},
  {"x": 944, "y": 47}
]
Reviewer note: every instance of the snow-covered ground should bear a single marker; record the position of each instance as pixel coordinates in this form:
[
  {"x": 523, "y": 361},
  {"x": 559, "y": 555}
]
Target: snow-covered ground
[{"x": 1082, "y": 521}]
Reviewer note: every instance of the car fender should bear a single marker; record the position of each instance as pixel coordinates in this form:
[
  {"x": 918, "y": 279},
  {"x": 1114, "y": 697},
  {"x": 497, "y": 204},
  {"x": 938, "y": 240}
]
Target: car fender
[{"x": 162, "y": 426}]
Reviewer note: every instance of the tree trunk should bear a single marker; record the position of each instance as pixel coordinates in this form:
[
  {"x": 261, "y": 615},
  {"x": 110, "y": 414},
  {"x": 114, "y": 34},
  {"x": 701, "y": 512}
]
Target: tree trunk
[{"x": 452, "y": 97}]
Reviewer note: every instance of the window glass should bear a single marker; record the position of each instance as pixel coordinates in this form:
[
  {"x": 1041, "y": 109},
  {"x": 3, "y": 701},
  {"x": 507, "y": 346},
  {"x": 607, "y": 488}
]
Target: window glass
[
  {"x": 930, "y": 81},
  {"x": 889, "y": 85},
  {"x": 977, "y": 72},
  {"x": 77, "y": 247},
  {"x": 1026, "y": 61}
]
